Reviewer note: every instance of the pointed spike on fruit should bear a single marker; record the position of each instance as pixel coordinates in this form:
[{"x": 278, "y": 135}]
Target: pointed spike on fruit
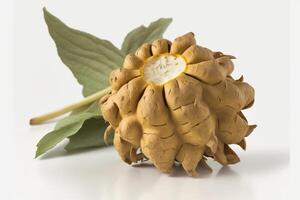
[
  {"x": 233, "y": 158},
  {"x": 242, "y": 116},
  {"x": 107, "y": 132},
  {"x": 230, "y": 56},
  {"x": 241, "y": 79},
  {"x": 242, "y": 144},
  {"x": 204, "y": 165},
  {"x": 250, "y": 129},
  {"x": 191, "y": 33}
]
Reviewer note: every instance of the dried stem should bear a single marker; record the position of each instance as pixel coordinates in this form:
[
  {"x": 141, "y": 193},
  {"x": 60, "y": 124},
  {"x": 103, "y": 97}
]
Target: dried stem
[{"x": 51, "y": 115}]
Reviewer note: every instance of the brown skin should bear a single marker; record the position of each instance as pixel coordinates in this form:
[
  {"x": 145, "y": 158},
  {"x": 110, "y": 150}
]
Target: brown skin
[
  {"x": 194, "y": 116},
  {"x": 160, "y": 46}
]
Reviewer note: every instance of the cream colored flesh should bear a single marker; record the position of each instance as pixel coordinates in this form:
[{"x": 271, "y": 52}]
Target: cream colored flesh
[{"x": 160, "y": 69}]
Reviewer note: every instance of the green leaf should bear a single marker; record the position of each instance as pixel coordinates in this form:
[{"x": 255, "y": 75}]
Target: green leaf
[
  {"x": 66, "y": 127},
  {"x": 89, "y": 58},
  {"x": 56, "y": 136},
  {"x": 90, "y": 135},
  {"x": 86, "y": 112},
  {"x": 142, "y": 34}
]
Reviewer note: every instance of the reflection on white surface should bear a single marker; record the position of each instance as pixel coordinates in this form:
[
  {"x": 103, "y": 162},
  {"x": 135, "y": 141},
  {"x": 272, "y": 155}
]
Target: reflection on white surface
[
  {"x": 144, "y": 182},
  {"x": 100, "y": 174},
  {"x": 157, "y": 186}
]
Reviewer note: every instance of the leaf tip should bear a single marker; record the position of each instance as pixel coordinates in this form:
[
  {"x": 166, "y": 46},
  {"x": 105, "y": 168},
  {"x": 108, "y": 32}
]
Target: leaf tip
[
  {"x": 37, "y": 153},
  {"x": 47, "y": 15},
  {"x": 169, "y": 19},
  {"x": 45, "y": 11}
]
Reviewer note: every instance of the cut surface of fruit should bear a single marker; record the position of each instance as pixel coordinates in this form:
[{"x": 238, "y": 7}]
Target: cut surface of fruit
[{"x": 162, "y": 68}]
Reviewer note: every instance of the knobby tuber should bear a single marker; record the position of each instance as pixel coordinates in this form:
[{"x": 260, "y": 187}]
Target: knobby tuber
[{"x": 177, "y": 102}]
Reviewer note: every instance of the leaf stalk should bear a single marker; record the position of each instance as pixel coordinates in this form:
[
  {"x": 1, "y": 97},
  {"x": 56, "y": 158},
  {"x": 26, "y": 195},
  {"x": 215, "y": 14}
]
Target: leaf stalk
[{"x": 56, "y": 113}]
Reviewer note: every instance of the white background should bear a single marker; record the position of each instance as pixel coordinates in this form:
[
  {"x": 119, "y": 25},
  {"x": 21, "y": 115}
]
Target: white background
[{"x": 258, "y": 33}]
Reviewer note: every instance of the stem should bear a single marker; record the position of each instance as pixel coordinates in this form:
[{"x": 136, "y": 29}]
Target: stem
[{"x": 87, "y": 100}]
